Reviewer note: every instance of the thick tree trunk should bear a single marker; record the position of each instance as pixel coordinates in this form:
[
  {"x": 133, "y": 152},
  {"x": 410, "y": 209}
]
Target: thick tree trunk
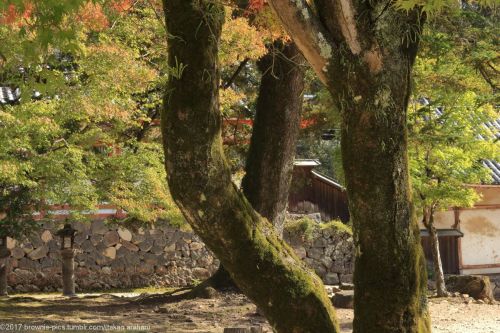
[
  {"x": 270, "y": 158},
  {"x": 264, "y": 267},
  {"x": 389, "y": 276},
  {"x": 4, "y": 267},
  {"x": 3, "y": 276},
  {"x": 364, "y": 51},
  {"x": 436, "y": 256},
  {"x": 372, "y": 89}
]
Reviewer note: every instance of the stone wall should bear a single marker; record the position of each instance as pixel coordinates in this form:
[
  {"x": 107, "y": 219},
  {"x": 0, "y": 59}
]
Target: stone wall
[
  {"x": 108, "y": 256},
  {"x": 327, "y": 248}
]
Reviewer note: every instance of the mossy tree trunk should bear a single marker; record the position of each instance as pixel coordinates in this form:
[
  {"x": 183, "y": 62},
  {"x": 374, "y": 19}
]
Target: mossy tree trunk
[
  {"x": 364, "y": 53},
  {"x": 269, "y": 165},
  {"x": 263, "y": 266},
  {"x": 428, "y": 222},
  {"x": 3, "y": 277},
  {"x": 4, "y": 266}
]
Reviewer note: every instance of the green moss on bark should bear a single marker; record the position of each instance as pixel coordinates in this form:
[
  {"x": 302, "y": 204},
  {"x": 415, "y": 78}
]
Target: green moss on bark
[{"x": 262, "y": 265}]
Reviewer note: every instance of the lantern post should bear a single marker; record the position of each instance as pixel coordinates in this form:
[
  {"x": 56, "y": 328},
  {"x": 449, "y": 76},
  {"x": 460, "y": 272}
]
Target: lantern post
[{"x": 67, "y": 235}]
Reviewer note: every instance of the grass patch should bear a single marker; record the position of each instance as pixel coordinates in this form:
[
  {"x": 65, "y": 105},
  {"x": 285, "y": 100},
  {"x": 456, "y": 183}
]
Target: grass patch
[
  {"x": 336, "y": 225},
  {"x": 306, "y": 227}
]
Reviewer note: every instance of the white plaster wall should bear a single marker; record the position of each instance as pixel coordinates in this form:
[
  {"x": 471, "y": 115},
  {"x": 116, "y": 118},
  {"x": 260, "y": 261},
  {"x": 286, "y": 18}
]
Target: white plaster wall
[
  {"x": 481, "y": 241},
  {"x": 442, "y": 220}
]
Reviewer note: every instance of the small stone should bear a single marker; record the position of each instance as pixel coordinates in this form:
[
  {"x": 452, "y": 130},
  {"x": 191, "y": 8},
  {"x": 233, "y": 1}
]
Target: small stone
[
  {"x": 17, "y": 253},
  {"x": 99, "y": 228},
  {"x": 347, "y": 286},
  {"x": 11, "y": 243},
  {"x": 169, "y": 248},
  {"x": 138, "y": 238},
  {"x": 300, "y": 251},
  {"x": 344, "y": 299},
  {"x": 39, "y": 253},
  {"x": 111, "y": 238},
  {"x": 125, "y": 234},
  {"x": 331, "y": 279},
  {"x": 201, "y": 273},
  {"x": 315, "y": 253},
  {"x": 96, "y": 239},
  {"x": 156, "y": 250},
  {"x": 46, "y": 236},
  {"x": 106, "y": 270},
  {"x": 146, "y": 245},
  {"x": 195, "y": 246},
  {"x": 160, "y": 242},
  {"x": 129, "y": 246},
  {"x": 27, "y": 248},
  {"x": 109, "y": 252}
]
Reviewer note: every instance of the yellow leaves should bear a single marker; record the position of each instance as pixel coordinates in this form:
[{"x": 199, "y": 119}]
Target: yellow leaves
[
  {"x": 228, "y": 98},
  {"x": 269, "y": 25},
  {"x": 239, "y": 41}
]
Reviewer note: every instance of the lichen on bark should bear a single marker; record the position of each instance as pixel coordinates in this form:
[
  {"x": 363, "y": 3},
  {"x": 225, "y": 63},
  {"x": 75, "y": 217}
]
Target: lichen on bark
[{"x": 264, "y": 267}]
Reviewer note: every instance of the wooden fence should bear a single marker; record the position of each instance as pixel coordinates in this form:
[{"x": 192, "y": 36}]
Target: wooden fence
[{"x": 312, "y": 192}]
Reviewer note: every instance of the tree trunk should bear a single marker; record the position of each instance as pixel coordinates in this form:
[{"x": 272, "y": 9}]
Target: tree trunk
[
  {"x": 264, "y": 267},
  {"x": 269, "y": 164},
  {"x": 3, "y": 276},
  {"x": 270, "y": 158},
  {"x": 372, "y": 90},
  {"x": 436, "y": 256},
  {"x": 4, "y": 267}
]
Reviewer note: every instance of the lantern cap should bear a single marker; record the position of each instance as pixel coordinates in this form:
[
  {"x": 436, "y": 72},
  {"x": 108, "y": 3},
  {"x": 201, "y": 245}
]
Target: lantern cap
[{"x": 67, "y": 230}]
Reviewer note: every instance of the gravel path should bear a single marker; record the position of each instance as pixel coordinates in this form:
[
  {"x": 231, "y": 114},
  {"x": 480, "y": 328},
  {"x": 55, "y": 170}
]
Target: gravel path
[{"x": 451, "y": 315}]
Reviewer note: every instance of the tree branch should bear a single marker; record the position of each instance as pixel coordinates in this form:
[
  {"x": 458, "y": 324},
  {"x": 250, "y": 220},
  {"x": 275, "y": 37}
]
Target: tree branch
[
  {"x": 235, "y": 74},
  {"x": 308, "y": 33}
]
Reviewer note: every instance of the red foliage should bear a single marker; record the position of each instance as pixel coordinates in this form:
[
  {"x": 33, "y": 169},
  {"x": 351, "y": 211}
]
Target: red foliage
[
  {"x": 121, "y": 5},
  {"x": 256, "y": 5},
  {"x": 12, "y": 16},
  {"x": 93, "y": 17}
]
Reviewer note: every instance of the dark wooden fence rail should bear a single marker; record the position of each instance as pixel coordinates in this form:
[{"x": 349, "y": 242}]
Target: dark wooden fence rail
[{"x": 312, "y": 192}]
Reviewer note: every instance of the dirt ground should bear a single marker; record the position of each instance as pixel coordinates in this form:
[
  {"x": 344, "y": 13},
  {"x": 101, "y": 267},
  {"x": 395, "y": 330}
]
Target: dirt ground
[{"x": 131, "y": 313}]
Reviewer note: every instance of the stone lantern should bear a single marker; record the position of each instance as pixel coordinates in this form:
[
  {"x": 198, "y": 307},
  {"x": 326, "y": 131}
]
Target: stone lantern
[
  {"x": 4, "y": 260},
  {"x": 67, "y": 235}
]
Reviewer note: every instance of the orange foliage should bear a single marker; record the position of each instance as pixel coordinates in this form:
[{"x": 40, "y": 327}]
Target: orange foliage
[
  {"x": 92, "y": 16},
  {"x": 13, "y": 17},
  {"x": 256, "y": 5},
  {"x": 121, "y": 5}
]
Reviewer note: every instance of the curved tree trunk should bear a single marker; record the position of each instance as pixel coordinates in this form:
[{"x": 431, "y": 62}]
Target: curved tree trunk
[
  {"x": 270, "y": 158},
  {"x": 263, "y": 266}
]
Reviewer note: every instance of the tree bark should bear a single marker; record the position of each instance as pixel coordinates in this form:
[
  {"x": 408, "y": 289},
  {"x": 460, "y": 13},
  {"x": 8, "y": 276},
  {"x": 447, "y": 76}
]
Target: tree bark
[
  {"x": 264, "y": 267},
  {"x": 436, "y": 256},
  {"x": 4, "y": 267},
  {"x": 3, "y": 276},
  {"x": 269, "y": 165},
  {"x": 369, "y": 75}
]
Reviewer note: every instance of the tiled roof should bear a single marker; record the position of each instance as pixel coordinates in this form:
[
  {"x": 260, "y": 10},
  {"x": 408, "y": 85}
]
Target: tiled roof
[
  {"x": 494, "y": 166},
  {"x": 9, "y": 95}
]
